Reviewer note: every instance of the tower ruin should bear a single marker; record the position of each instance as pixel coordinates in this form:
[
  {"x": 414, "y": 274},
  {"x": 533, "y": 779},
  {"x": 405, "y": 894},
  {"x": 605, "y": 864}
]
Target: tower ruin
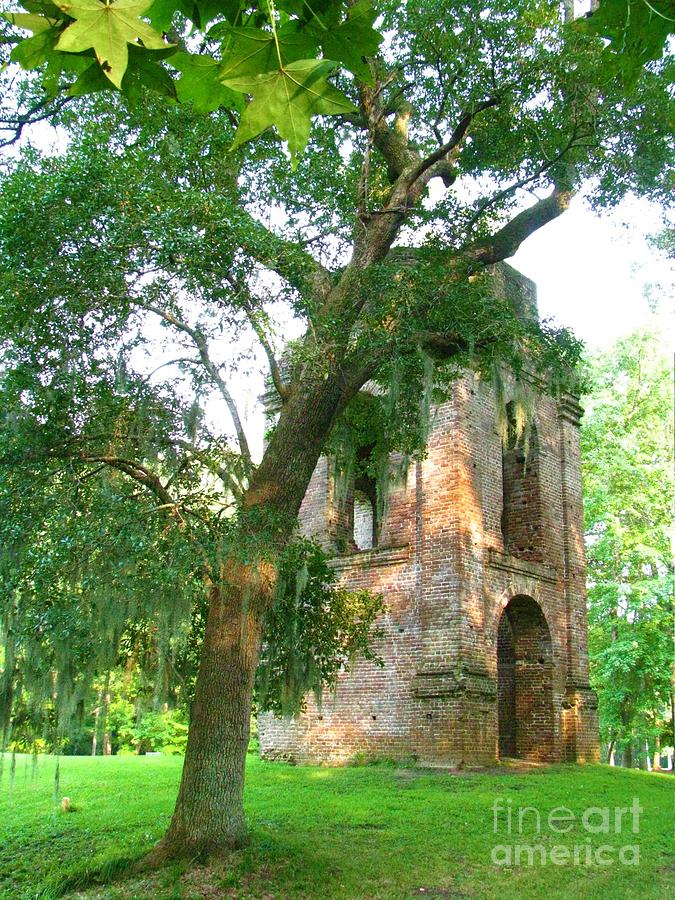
[{"x": 480, "y": 559}]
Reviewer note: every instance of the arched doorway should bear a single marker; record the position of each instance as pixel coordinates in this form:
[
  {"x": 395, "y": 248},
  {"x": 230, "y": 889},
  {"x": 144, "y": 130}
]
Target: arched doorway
[{"x": 524, "y": 682}]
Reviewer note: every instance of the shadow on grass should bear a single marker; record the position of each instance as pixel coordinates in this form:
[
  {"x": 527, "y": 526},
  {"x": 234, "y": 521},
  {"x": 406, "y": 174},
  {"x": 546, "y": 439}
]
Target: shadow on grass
[
  {"x": 254, "y": 869},
  {"x": 91, "y": 875}
]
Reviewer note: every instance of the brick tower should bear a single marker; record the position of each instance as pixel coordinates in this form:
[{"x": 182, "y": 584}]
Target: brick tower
[{"x": 480, "y": 559}]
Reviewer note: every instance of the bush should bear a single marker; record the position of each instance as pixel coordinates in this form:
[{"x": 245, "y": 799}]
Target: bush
[{"x": 164, "y": 732}]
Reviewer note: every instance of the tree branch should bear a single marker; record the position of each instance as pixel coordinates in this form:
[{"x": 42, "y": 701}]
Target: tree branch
[
  {"x": 202, "y": 347},
  {"x": 226, "y": 477},
  {"x": 454, "y": 142},
  {"x": 275, "y": 371},
  {"x": 409, "y": 173},
  {"x": 138, "y": 473},
  {"x": 288, "y": 259},
  {"x": 508, "y": 239},
  {"x": 522, "y": 182},
  {"x": 40, "y": 112},
  {"x": 171, "y": 362},
  {"x": 391, "y": 142}
]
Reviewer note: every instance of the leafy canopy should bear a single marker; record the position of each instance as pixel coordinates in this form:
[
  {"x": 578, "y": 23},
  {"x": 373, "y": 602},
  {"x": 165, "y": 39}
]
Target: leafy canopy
[
  {"x": 636, "y": 32},
  {"x": 279, "y": 56}
]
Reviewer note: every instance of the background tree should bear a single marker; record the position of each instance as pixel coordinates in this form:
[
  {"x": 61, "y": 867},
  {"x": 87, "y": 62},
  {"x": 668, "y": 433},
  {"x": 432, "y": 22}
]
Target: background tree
[
  {"x": 627, "y": 443},
  {"x": 472, "y": 130}
]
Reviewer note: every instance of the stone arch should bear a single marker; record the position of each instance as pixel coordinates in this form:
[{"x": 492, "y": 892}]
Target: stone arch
[{"x": 524, "y": 682}]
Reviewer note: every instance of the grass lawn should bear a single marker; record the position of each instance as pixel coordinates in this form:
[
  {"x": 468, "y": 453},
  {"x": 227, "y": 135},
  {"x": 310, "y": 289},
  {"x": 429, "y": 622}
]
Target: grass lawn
[{"x": 371, "y": 832}]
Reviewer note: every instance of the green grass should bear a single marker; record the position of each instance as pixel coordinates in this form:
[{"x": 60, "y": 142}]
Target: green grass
[{"x": 371, "y": 832}]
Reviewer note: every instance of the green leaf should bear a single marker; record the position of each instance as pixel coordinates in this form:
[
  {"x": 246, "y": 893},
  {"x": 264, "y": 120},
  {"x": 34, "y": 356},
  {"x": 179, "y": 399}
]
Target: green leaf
[
  {"x": 93, "y": 79},
  {"x": 145, "y": 72},
  {"x": 28, "y": 21},
  {"x": 108, "y": 28},
  {"x": 201, "y": 84},
  {"x": 251, "y": 51},
  {"x": 60, "y": 63},
  {"x": 207, "y": 10},
  {"x": 161, "y": 12},
  {"x": 637, "y": 32},
  {"x": 34, "y": 51},
  {"x": 353, "y": 39},
  {"x": 42, "y": 8},
  {"x": 287, "y": 99}
]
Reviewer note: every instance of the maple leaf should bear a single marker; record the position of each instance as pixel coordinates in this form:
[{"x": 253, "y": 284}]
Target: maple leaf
[
  {"x": 29, "y": 21},
  {"x": 201, "y": 84},
  {"x": 108, "y": 28},
  {"x": 35, "y": 50},
  {"x": 352, "y": 40},
  {"x": 287, "y": 99},
  {"x": 252, "y": 51},
  {"x": 161, "y": 12}
]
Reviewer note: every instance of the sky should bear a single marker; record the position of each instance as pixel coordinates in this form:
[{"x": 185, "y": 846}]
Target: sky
[{"x": 592, "y": 271}]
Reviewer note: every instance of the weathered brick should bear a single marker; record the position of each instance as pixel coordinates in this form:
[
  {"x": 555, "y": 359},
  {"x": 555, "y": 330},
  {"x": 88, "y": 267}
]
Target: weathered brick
[{"x": 481, "y": 563}]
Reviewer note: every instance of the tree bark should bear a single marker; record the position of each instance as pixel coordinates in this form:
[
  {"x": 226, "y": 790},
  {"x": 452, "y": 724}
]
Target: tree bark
[
  {"x": 645, "y": 761},
  {"x": 106, "y": 748},
  {"x": 657, "y": 754},
  {"x": 209, "y": 813},
  {"x": 97, "y": 713}
]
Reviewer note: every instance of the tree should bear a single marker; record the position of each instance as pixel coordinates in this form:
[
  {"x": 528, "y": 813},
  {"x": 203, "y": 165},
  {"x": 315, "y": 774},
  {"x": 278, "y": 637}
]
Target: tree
[
  {"x": 268, "y": 62},
  {"x": 86, "y": 621},
  {"x": 503, "y": 108},
  {"x": 628, "y": 488}
]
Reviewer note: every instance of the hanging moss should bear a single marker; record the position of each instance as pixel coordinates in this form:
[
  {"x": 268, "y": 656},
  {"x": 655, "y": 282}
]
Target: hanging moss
[
  {"x": 515, "y": 415},
  {"x": 313, "y": 631},
  {"x": 82, "y": 570}
]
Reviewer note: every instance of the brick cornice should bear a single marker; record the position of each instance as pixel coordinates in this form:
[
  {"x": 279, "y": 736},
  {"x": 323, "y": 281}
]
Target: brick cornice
[
  {"x": 580, "y": 695},
  {"x": 378, "y": 556},
  {"x": 569, "y": 410},
  {"x": 528, "y": 568},
  {"x": 468, "y": 680}
]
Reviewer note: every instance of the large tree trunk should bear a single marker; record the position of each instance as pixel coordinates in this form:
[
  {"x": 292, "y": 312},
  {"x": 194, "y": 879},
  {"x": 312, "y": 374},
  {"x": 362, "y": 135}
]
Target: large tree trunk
[{"x": 209, "y": 812}]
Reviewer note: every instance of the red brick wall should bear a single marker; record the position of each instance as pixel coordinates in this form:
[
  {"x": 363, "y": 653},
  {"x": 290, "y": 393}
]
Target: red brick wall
[
  {"x": 506, "y": 689},
  {"x": 521, "y": 493}
]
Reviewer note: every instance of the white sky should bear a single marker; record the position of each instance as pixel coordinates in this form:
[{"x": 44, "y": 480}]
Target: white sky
[{"x": 592, "y": 272}]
